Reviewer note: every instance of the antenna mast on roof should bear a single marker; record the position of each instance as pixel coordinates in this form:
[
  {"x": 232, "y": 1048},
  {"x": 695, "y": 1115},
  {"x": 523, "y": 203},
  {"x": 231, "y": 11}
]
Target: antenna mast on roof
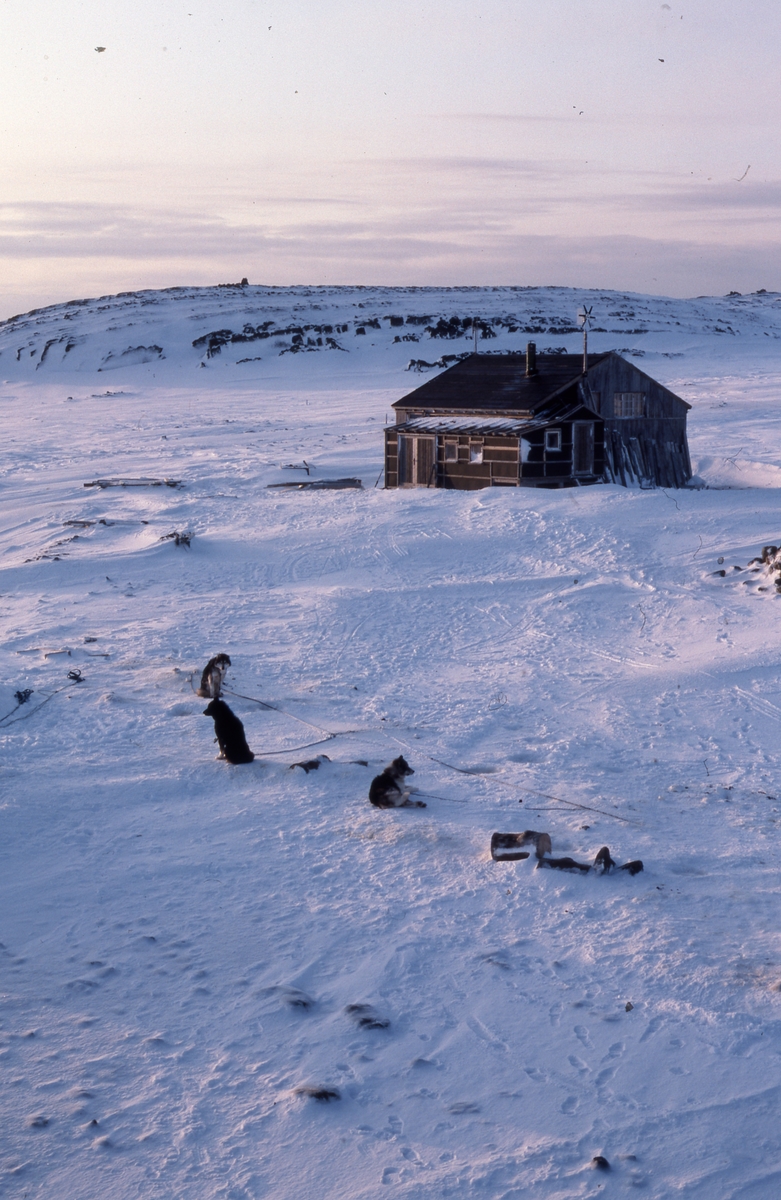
[{"x": 584, "y": 319}]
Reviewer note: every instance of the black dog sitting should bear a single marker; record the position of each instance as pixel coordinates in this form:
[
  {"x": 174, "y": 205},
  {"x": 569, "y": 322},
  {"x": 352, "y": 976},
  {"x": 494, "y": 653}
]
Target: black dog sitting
[
  {"x": 230, "y": 733},
  {"x": 388, "y": 791}
]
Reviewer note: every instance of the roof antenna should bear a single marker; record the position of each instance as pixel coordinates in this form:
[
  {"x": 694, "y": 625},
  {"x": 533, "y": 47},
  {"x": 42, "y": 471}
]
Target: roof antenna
[{"x": 584, "y": 319}]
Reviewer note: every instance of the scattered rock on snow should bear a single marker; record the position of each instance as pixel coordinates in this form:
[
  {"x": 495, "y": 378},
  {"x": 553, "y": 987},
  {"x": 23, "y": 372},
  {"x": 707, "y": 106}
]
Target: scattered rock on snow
[
  {"x": 179, "y": 539},
  {"x": 294, "y": 998},
  {"x": 324, "y": 1094},
  {"x": 365, "y": 1017}
]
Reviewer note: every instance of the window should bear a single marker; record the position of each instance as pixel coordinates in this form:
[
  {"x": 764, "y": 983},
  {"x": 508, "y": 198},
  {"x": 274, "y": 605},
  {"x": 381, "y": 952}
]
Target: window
[
  {"x": 476, "y": 452},
  {"x": 451, "y": 451},
  {"x": 629, "y": 404},
  {"x": 553, "y": 439}
]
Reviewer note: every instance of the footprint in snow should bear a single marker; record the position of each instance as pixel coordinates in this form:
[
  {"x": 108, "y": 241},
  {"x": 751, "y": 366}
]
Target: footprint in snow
[
  {"x": 651, "y": 1028},
  {"x": 581, "y": 1033}
]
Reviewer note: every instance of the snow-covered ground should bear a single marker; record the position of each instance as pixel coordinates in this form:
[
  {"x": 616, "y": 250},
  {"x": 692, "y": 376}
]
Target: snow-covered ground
[{"x": 181, "y": 939}]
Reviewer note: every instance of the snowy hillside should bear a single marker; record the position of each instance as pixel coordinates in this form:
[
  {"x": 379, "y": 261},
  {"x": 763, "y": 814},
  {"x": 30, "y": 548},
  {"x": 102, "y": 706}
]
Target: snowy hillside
[
  {"x": 243, "y": 326},
  {"x": 184, "y": 942}
]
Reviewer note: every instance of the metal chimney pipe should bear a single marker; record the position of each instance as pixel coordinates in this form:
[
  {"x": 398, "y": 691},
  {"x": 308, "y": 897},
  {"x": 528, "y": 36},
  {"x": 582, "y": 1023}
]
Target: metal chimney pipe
[{"x": 531, "y": 359}]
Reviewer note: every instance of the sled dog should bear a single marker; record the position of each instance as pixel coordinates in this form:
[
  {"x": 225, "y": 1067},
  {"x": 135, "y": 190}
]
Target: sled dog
[
  {"x": 387, "y": 790},
  {"x": 230, "y": 733},
  {"x": 213, "y": 676}
]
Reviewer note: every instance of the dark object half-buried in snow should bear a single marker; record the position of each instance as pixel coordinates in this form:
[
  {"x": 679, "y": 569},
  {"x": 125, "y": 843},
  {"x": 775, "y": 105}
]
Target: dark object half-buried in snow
[
  {"x": 506, "y": 847},
  {"x": 121, "y": 482},
  {"x": 365, "y": 1017},
  {"x": 564, "y": 864},
  {"x": 604, "y": 864},
  {"x": 311, "y": 764},
  {"x": 324, "y": 1094},
  {"x": 230, "y": 733},
  {"x": 318, "y": 485}
]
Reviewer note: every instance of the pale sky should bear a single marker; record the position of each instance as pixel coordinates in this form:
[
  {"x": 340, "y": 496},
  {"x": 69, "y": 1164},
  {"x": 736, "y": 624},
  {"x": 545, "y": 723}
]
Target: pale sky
[{"x": 608, "y": 143}]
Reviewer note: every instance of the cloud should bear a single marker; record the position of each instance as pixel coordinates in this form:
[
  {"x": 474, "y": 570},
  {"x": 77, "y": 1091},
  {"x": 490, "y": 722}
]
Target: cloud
[
  {"x": 450, "y": 229},
  {"x": 510, "y": 118},
  {"x": 705, "y": 199},
  {"x": 76, "y": 230}
]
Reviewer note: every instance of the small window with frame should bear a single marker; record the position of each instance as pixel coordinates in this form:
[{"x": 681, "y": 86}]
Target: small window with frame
[
  {"x": 451, "y": 450},
  {"x": 629, "y": 404},
  {"x": 553, "y": 439},
  {"x": 475, "y": 452}
]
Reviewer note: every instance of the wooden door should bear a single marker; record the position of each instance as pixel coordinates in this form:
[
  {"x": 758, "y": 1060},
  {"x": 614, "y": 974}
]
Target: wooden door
[
  {"x": 583, "y": 447},
  {"x": 416, "y": 461},
  {"x": 425, "y": 461}
]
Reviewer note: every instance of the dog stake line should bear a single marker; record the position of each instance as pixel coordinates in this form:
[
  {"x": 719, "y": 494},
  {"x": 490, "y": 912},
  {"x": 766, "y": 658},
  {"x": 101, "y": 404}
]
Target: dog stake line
[{"x": 575, "y": 804}]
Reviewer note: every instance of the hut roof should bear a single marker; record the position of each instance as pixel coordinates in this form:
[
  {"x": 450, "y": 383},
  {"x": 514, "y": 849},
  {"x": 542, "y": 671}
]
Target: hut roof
[
  {"x": 476, "y": 424},
  {"x": 494, "y": 382}
]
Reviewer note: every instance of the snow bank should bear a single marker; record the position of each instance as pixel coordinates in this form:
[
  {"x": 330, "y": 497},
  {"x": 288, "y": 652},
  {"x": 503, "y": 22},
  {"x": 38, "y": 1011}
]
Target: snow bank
[{"x": 183, "y": 941}]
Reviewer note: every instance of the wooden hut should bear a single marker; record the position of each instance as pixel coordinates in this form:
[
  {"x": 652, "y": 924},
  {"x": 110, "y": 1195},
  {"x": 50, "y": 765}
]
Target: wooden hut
[{"x": 528, "y": 420}]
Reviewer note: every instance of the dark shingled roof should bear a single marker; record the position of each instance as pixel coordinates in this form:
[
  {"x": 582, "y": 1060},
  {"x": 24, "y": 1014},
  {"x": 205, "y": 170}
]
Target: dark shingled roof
[{"x": 498, "y": 382}]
